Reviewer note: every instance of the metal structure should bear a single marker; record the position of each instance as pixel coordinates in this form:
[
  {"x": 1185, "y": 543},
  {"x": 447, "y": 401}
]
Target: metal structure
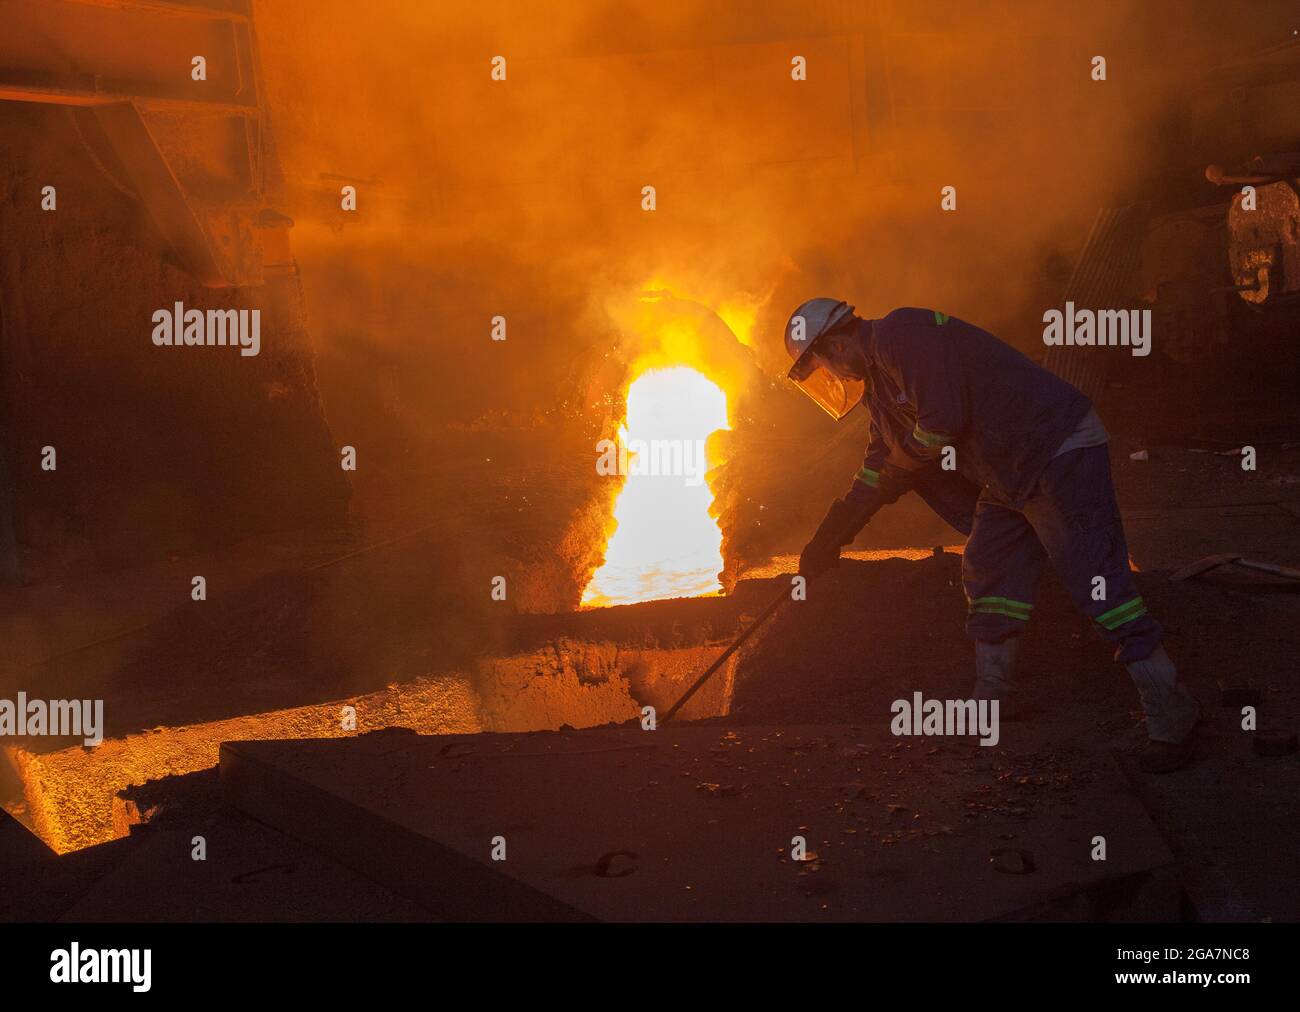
[
  {"x": 1213, "y": 274},
  {"x": 179, "y": 123}
]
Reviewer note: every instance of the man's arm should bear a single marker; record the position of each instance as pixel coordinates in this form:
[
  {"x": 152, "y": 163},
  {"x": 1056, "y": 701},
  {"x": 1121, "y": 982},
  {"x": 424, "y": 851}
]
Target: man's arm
[{"x": 878, "y": 483}]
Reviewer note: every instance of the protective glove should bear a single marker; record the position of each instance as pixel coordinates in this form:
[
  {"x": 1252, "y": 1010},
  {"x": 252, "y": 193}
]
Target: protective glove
[
  {"x": 817, "y": 557},
  {"x": 841, "y": 525}
]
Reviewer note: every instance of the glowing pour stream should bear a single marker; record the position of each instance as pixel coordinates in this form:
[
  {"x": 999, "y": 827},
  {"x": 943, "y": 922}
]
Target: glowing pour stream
[{"x": 665, "y": 543}]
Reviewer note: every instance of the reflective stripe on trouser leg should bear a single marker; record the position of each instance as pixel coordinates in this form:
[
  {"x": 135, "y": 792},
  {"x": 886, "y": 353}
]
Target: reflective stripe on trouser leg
[
  {"x": 999, "y": 571},
  {"x": 1077, "y": 520}
]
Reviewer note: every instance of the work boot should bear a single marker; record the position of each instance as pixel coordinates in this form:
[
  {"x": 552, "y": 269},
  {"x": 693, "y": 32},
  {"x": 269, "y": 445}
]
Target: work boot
[
  {"x": 1171, "y": 713},
  {"x": 995, "y": 668}
]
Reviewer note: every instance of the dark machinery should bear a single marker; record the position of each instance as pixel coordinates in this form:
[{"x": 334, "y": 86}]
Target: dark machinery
[{"x": 1217, "y": 259}]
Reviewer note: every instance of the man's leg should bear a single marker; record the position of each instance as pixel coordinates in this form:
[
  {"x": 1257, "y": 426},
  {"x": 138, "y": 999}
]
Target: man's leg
[
  {"x": 999, "y": 572},
  {"x": 1077, "y": 519}
]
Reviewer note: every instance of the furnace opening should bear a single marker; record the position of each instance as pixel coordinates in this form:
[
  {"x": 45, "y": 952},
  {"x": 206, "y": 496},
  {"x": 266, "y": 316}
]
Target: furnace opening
[{"x": 665, "y": 542}]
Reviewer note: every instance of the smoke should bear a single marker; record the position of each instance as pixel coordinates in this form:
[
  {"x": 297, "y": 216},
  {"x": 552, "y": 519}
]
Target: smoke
[{"x": 523, "y": 197}]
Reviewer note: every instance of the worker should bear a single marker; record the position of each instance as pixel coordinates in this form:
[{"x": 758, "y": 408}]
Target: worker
[{"x": 1008, "y": 454}]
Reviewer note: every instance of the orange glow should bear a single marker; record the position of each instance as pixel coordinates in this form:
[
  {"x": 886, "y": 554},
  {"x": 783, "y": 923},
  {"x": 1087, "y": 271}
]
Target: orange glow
[
  {"x": 665, "y": 542},
  {"x": 740, "y": 316},
  {"x": 71, "y": 796}
]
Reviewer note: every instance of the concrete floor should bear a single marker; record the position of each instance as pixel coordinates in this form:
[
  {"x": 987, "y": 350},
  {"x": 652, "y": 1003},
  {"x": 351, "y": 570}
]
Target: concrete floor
[{"x": 698, "y": 822}]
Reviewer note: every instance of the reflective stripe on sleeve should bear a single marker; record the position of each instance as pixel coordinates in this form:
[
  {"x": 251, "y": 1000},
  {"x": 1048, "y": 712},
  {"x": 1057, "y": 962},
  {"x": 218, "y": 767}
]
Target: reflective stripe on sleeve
[
  {"x": 1122, "y": 615},
  {"x": 930, "y": 439}
]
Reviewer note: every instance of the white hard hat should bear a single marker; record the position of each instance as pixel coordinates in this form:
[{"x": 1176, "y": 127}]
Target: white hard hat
[{"x": 811, "y": 372}]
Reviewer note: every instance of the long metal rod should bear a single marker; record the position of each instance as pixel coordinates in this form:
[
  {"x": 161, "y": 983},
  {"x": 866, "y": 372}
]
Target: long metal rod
[
  {"x": 768, "y": 612},
  {"x": 1269, "y": 567}
]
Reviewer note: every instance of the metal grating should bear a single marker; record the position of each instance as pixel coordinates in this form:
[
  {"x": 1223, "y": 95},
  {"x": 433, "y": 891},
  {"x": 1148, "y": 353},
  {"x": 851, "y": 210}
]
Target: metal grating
[{"x": 1103, "y": 278}]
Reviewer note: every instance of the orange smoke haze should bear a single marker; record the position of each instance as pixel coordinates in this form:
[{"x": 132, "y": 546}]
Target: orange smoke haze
[{"x": 523, "y": 197}]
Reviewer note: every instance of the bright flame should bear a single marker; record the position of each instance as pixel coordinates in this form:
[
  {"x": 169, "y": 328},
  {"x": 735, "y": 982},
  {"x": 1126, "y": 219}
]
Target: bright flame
[
  {"x": 665, "y": 543},
  {"x": 740, "y": 316}
]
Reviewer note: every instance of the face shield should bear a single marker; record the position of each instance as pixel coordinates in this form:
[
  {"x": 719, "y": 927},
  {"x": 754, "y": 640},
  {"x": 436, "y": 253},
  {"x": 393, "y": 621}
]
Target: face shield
[{"x": 814, "y": 376}]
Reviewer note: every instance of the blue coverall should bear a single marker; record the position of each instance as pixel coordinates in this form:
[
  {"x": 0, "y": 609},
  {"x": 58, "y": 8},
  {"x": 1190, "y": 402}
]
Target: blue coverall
[{"x": 935, "y": 382}]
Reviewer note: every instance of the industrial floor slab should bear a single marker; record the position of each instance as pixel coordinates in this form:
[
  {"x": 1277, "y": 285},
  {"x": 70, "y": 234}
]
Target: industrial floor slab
[
  {"x": 696, "y": 822},
  {"x": 196, "y": 861}
]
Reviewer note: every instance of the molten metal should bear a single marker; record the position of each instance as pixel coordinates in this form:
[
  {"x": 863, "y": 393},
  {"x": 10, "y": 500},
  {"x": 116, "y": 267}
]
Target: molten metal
[{"x": 665, "y": 542}]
